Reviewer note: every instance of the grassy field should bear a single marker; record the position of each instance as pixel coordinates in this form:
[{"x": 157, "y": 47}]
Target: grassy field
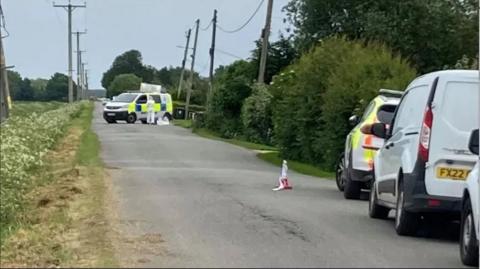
[
  {"x": 64, "y": 221},
  {"x": 20, "y": 108}
]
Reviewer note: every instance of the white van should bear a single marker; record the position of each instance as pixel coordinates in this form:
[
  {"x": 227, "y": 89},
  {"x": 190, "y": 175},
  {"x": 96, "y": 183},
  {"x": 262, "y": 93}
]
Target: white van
[{"x": 423, "y": 165}]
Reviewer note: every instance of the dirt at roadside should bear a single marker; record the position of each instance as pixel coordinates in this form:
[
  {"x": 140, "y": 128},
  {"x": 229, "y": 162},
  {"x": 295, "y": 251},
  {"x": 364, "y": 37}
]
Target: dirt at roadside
[{"x": 66, "y": 224}]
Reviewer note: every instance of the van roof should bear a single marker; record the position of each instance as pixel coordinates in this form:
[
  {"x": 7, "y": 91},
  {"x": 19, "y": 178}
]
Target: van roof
[{"x": 427, "y": 78}]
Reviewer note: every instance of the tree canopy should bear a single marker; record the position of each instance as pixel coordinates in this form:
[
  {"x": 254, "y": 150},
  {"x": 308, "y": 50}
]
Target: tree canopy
[
  {"x": 129, "y": 62},
  {"x": 122, "y": 83},
  {"x": 431, "y": 34}
]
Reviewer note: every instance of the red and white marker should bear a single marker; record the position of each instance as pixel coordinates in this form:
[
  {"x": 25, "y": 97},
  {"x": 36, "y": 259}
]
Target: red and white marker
[{"x": 283, "y": 179}]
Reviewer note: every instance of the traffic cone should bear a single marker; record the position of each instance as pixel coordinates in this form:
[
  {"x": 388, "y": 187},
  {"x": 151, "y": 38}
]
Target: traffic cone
[{"x": 283, "y": 179}]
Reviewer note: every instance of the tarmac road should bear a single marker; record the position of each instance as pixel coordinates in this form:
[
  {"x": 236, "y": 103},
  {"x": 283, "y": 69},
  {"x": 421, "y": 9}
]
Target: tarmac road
[{"x": 213, "y": 205}]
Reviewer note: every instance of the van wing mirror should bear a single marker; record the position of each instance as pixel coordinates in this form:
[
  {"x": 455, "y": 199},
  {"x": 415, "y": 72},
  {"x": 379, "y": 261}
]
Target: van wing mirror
[
  {"x": 473, "y": 143},
  {"x": 379, "y": 130},
  {"x": 353, "y": 120}
]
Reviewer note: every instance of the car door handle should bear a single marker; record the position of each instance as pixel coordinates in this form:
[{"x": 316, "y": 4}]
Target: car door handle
[{"x": 390, "y": 145}]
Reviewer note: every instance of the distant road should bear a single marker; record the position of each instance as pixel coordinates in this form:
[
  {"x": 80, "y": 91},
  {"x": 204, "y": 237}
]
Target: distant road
[{"x": 211, "y": 204}]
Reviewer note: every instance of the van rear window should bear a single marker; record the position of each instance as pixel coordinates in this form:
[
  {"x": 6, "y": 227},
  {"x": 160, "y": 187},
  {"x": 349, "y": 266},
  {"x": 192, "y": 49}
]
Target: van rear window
[{"x": 460, "y": 105}]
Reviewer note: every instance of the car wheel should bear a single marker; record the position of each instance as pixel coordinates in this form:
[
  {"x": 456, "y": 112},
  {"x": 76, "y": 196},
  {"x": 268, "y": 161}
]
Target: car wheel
[
  {"x": 168, "y": 116},
  {"x": 339, "y": 178},
  {"x": 131, "y": 118},
  {"x": 468, "y": 237},
  {"x": 406, "y": 223},
  {"x": 375, "y": 210},
  {"x": 111, "y": 121},
  {"x": 352, "y": 189}
]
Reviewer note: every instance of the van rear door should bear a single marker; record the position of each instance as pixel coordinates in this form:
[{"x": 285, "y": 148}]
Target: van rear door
[{"x": 455, "y": 114}]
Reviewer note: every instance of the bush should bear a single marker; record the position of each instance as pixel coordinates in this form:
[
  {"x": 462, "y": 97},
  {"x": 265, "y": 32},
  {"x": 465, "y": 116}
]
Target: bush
[
  {"x": 232, "y": 87},
  {"x": 313, "y": 99},
  {"x": 24, "y": 140},
  {"x": 256, "y": 116}
]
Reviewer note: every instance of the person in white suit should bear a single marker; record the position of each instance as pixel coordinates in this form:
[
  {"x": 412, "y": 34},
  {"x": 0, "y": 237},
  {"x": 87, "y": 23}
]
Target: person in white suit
[{"x": 150, "y": 110}]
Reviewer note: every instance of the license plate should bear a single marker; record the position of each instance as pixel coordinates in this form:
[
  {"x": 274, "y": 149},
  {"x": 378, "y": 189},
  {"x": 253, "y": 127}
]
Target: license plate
[
  {"x": 111, "y": 114},
  {"x": 452, "y": 173}
]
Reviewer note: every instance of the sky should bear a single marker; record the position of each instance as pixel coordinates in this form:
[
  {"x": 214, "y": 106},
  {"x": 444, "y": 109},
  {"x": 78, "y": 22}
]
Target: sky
[{"x": 38, "y": 46}]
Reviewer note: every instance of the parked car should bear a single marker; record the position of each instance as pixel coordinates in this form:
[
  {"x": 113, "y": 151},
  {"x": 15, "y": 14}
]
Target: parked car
[
  {"x": 422, "y": 167},
  {"x": 470, "y": 224},
  {"x": 355, "y": 164}
]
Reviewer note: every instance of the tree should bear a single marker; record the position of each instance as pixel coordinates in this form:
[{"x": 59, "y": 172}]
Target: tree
[
  {"x": 14, "y": 83},
  {"x": 231, "y": 88},
  {"x": 281, "y": 54},
  {"x": 431, "y": 34},
  {"x": 129, "y": 62},
  {"x": 313, "y": 98},
  {"x": 57, "y": 88},
  {"x": 122, "y": 83},
  {"x": 26, "y": 92},
  {"x": 39, "y": 86},
  {"x": 257, "y": 115}
]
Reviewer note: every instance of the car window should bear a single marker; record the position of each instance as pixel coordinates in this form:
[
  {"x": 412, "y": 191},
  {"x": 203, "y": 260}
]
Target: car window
[
  {"x": 125, "y": 97},
  {"x": 385, "y": 113},
  {"x": 462, "y": 95},
  {"x": 142, "y": 99},
  {"x": 368, "y": 110},
  {"x": 157, "y": 99},
  {"x": 411, "y": 109}
]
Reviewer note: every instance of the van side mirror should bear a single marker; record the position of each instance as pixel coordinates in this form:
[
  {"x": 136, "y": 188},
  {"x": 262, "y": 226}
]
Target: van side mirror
[
  {"x": 473, "y": 143},
  {"x": 353, "y": 120},
  {"x": 379, "y": 130}
]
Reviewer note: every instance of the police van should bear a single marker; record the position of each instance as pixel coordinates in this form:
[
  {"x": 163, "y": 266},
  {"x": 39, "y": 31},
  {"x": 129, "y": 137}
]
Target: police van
[{"x": 132, "y": 106}]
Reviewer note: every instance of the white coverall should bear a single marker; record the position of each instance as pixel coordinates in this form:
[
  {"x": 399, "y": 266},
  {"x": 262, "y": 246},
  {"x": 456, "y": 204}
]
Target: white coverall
[{"x": 150, "y": 110}]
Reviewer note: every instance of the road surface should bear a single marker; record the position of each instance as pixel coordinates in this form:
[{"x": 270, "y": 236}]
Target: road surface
[{"x": 205, "y": 203}]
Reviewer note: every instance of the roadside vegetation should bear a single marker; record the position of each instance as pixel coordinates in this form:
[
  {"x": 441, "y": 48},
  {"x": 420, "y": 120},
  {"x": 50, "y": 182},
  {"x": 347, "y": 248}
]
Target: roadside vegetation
[{"x": 53, "y": 206}]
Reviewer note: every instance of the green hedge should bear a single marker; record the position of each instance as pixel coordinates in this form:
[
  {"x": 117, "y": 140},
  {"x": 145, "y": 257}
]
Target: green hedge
[{"x": 313, "y": 98}]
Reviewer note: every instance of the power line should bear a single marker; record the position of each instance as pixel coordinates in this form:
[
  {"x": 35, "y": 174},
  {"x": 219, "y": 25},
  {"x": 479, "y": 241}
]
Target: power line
[
  {"x": 245, "y": 24},
  {"x": 206, "y": 28},
  {"x": 228, "y": 53}
]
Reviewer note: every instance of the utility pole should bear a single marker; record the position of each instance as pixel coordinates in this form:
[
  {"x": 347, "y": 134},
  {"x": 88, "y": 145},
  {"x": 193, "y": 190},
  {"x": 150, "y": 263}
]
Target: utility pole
[
  {"x": 265, "y": 35},
  {"x": 189, "y": 91},
  {"x": 180, "y": 83},
  {"x": 212, "y": 50},
  {"x": 5, "y": 101},
  {"x": 69, "y": 8},
  {"x": 83, "y": 80},
  {"x": 86, "y": 83},
  {"x": 79, "y": 65}
]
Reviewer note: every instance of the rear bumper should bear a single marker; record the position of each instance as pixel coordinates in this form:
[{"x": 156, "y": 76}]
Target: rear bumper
[
  {"x": 418, "y": 200},
  {"x": 115, "y": 115},
  {"x": 361, "y": 175}
]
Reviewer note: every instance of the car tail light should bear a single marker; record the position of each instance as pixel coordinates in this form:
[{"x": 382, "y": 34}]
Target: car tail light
[
  {"x": 424, "y": 143},
  {"x": 433, "y": 202}
]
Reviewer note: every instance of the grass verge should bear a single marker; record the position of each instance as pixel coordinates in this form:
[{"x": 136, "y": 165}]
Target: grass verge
[
  {"x": 183, "y": 123},
  {"x": 248, "y": 145},
  {"x": 270, "y": 154},
  {"x": 64, "y": 224},
  {"x": 303, "y": 168}
]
